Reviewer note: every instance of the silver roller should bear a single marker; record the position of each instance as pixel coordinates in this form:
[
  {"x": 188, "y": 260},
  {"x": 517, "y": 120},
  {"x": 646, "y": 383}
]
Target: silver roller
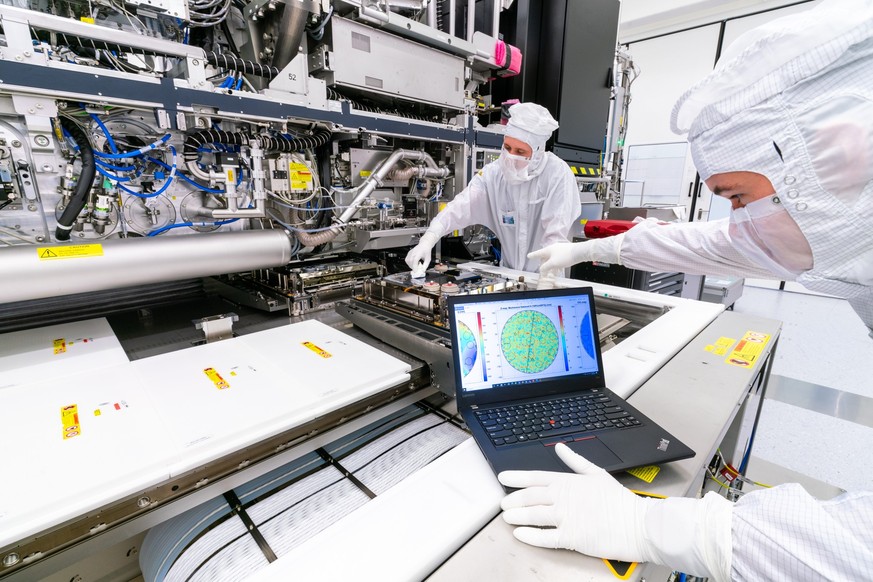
[{"x": 35, "y": 272}]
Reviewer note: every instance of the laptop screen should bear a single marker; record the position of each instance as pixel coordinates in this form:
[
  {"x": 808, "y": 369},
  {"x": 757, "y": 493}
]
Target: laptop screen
[{"x": 523, "y": 338}]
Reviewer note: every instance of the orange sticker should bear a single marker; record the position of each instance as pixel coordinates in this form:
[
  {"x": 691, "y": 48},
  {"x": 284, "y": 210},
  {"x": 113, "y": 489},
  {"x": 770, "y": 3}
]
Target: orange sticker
[
  {"x": 748, "y": 350},
  {"x": 70, "y": 421},
  {"x": 317, "y": 349},
  {"x": 216, "y": 378}
]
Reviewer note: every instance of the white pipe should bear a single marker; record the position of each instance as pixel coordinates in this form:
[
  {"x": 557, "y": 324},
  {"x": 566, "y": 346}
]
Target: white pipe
[
  {"x": 471, "y": 19},
  {"x": 116, "y": 263},
  {"x": 452, "y": 17},
  {"x": 432, "y": 13},
  {"x": 495, "y": 20}
]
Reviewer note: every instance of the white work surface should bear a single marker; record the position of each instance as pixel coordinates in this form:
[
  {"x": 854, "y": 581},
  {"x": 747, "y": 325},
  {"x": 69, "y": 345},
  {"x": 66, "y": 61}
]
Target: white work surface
[
  {"x": 632, "y": 362},
  {"x": 405, "y": 532},
  {"x": 57, "y": 350},
  {"x": 696, "y": 397},
  {"x": 171, "y": 415},
  {"x": 51, "y": 479}
]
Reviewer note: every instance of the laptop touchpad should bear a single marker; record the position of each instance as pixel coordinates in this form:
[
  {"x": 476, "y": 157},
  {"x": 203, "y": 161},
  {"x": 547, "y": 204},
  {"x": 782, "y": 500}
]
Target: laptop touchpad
[{"x": 595, "y": 451}]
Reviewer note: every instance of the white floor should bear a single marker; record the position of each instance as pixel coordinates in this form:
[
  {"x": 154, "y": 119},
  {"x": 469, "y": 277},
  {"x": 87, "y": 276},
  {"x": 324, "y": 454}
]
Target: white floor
[{"x": 823, "y": 342}]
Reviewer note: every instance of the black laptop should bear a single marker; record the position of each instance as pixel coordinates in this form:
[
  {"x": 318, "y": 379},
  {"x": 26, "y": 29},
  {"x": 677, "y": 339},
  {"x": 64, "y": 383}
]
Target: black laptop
[{"x": 529, "y": 374}]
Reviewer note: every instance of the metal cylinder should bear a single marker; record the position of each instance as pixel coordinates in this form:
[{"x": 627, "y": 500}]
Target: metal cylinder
[
  {"x": 432, "y": 13},
  {"x": 471, "y": 19},
  {"x": 35, "y": 272},
  {"x": 495, "y": 20}
]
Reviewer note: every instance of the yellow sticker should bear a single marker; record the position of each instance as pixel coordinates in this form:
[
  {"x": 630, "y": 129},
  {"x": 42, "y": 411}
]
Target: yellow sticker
[
  {"x": 216, "y": 378},
  {"x": 108, "y": 407},
  {"x": 69, "y": 252},
  {"x": 364, "y": 173},
  {"x": 317, "y": 349},
  {"x": 59, "y": 345},
  {"x": 647, "y": 473},
  {"x": 575, "y": 169},
  {"x": 70, "y": 421},
  {"x": 87, "y": 19},
  {"x": 721, "y": 346},
  {"x": 748, "y": 350},
  {"x": 301, "y": 176},
  {"x": 230, "y": 175}
]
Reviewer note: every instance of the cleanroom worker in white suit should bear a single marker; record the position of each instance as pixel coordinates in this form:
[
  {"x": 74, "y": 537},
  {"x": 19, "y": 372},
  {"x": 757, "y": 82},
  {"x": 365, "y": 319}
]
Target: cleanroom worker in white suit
[
  {"x": 783, "y": 128},
  {"x": 528, "y": 197}
]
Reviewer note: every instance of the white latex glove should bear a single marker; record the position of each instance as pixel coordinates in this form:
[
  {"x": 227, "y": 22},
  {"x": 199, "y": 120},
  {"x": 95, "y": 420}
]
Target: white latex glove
[
  {"x": 592, "y": 513},
  {"x": 418, "y": 258},
  {"x": 563, "y": 255},
  {"x": 547, "y": 280}
]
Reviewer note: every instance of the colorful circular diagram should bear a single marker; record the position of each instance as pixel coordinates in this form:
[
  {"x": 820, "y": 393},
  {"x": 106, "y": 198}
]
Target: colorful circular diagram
[
  {"x": 469, "y": 348},
  {"x": 529, "y": 341}
]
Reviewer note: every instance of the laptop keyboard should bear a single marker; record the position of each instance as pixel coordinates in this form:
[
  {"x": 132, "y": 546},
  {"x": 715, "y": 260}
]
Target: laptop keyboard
[{"x": 554, "y": 418}]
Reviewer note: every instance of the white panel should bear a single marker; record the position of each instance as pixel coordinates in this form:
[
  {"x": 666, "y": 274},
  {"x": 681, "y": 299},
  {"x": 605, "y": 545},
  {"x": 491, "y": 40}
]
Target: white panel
[
  {"x": 57, "y": 350},
  {"x": 660, "y": 169},
  {"x": 668, "y": 66},
  {"x": 120, "y": 448},
  {"x": 220, "y": 397},
  {"x": 405, "y": 533}
]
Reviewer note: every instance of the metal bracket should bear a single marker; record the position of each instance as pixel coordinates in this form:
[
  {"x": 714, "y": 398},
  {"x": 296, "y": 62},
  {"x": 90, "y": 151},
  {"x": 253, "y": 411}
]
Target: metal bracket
[{"x": 217, "y": 327}]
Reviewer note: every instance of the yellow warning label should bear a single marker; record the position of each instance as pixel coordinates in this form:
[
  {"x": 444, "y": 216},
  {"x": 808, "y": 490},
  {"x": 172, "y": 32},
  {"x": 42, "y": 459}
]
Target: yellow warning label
[
  {"x": 216, "y": 378},
  {"x": 317, "y": 349},
  {"x": 87, "y": 19},
  {"x": 721, "y": 346},
  {"x": 647, "y": 473},
  {"x": 70, "y": 421},
  {"x": 748, "y": 350},
  {"x": 575, "y": 169},
  {"x": 69, "y": 252},
  {"x": 301, "y": 176},
  {"x": 364, "y": 173},
  {"x": 231, "y": 177},
  {"x": 59, "y": 345}
]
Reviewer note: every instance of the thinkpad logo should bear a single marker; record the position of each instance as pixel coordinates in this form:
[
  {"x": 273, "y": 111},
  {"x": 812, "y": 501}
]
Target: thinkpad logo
[{"x": 662, "y": 446}]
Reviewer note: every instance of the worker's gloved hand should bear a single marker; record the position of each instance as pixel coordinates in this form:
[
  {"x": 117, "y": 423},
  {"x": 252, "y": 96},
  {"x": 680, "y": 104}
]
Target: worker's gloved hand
[
  {"x": 547, "y": 280},
  {"x": 563, "y": 255},
  {"x": 592, "y": 513},
  {"x": 418, "y": 258}
]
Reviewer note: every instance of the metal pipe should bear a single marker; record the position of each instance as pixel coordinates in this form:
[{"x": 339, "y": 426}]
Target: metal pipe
[
  {"x": 376, "y": 178},
  {"x": 495, "y": 19},
  {"x": 234, "y": 211},
  {"x": 451, "y": 17},
  {"x": 116, "y": 263},
  {"x": 432, "y": 13},
  {"x": 373, "y": 13},
  {"x": 195, "y": 170},
  {"x": 471, "y": 19},
  {"x": 417, "y": 172}
]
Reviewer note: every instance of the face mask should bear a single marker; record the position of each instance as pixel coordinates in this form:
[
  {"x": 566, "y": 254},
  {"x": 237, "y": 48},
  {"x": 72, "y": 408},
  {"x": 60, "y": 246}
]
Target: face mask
[
  {"x": 765, "y": 232},
  {"x": 515, "y": 168}
]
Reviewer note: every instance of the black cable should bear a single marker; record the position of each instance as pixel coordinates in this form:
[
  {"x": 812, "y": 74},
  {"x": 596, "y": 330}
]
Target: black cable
[
  {"x": 234, "y": 63},
  {"x": 83, "y": 184},
  {"x": 269, "y": 143}
]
